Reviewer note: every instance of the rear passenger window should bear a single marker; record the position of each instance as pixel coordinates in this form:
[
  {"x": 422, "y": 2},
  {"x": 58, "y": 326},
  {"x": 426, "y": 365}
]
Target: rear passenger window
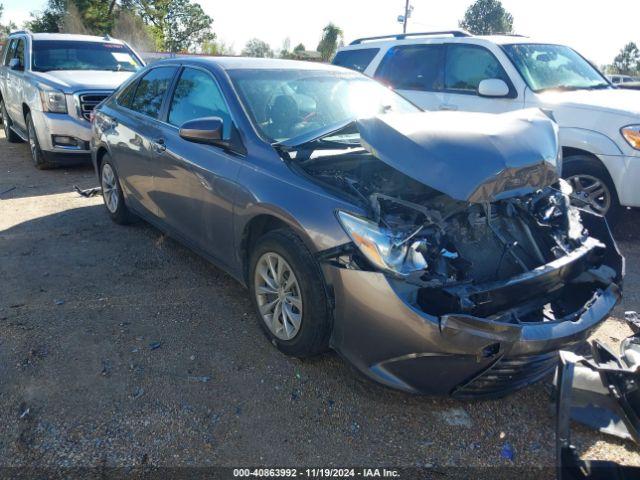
[
  {"x": 413, "y": 67},
  {"x": 357, "y": 60},
  {"x": 125, "y": 97},
  {"x": 468, "y": 65},
  {"x": 151, "y": 90},
  {"x": 196, "y": 96}
]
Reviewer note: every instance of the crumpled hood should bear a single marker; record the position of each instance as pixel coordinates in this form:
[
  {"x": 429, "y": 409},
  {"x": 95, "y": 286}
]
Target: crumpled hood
[
  {"x": 70, "y": 81},
  {"x": 618, "y": 100},
  {"x": 474, "y": 157}
]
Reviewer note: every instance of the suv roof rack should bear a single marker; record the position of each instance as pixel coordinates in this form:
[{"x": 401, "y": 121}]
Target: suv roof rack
[
  {"x": 18, "y": 32},
  {"x": 402, "y": 36}
]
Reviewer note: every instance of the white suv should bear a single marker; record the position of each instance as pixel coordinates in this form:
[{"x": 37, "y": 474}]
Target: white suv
[{"x": 599, "y": 123}]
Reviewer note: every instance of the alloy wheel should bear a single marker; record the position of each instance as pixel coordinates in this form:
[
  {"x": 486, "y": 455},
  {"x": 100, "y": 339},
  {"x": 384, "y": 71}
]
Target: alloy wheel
[
  {"x": 109, "y": 188},
  {"x": 33, "y": 145},
  {"x": 591, "y": 193},
  {"x": 278, "y": 296},
  {"x": 5, "y": 119}
]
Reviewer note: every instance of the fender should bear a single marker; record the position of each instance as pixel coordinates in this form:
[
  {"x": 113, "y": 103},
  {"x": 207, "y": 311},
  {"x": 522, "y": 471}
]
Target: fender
[{"x": 588, "y": 140}]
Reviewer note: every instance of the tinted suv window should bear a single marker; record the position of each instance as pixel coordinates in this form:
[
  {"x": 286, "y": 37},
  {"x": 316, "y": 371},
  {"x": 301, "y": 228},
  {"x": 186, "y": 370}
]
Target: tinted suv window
[
  {"x": 196, "y": 96},
  {"x": 11, "y": 50},
  {"x": 357, "y": 60},
  {"x": 20, "y": 52},
  {"x": 413, "y": 67},
  {"x": 468, "y": 65},
  {"x": 151, "y": 89}
]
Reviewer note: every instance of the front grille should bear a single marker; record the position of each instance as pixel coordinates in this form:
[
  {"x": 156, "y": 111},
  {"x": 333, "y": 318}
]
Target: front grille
[
  {"x": 508, "y": 375},
  {"x": 88, "y": 101}
]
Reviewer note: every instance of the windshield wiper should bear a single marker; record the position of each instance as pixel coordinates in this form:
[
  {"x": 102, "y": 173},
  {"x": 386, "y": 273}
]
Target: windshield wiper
[
  {"x": 571, "y": 88},
  {"x": 317, "y": 136}
]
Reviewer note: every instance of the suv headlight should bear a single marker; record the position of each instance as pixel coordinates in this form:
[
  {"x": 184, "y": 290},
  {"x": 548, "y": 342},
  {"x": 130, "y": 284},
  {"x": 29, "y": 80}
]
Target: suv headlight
[
  {"x": 631, "y": 134},
  {"x": 392, "y": 253},
  {"x": 53, "y": 101}
]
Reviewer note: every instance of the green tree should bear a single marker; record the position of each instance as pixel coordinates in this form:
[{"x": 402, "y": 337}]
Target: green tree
[
  {"x": 177, "y": 25},
  {"x": 216, "y": 47},
  {"x": 331, "y": 36},
  {"x": 50, "y": 19},
  {"x": 298, "y": 49},
  {"x": 257, "y": 48},
  {"x": 487, "y": 17},
  {"x": 5, "y": 29},
  {"x": 627, "y": 62}
]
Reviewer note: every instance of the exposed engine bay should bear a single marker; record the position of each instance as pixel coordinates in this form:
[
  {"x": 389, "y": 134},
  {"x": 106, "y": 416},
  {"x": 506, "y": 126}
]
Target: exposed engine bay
[{"x": 450, "y": 256}]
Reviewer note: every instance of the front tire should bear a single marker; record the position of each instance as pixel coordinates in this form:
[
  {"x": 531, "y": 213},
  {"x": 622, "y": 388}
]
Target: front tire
[
  {"x": 289, "y": 295},
  {"x": 11, "y": 136},
  {"x": 593, "y": 188},
  {"x": 112, "y": 193},
  {"x": 34, "y": 146}
]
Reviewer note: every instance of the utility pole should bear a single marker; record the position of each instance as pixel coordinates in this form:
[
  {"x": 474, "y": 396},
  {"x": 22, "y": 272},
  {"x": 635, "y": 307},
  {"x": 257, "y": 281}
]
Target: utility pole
[{"x": 406, "y": 16}]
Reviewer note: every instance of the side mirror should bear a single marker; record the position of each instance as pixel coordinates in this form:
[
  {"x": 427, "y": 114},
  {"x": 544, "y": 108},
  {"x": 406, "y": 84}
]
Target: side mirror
[
  {"x": 204, "y": 130},
  {"x": 493, "y": 87},
  {"x": 15, "y": 64}
]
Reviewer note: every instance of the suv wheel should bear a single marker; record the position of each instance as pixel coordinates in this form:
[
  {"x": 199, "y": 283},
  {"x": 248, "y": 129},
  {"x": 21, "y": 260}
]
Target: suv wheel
[
  {"x": 112, "y": 193},
  {"x": 289, "y": 295},
  {"x": 10, "y": 135},
  {"x": 34, "y": 146},
  {"x": 593, "y": 188}
]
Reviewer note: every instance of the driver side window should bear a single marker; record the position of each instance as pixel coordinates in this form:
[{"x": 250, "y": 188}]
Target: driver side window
[{"x": 197, "y": 95}]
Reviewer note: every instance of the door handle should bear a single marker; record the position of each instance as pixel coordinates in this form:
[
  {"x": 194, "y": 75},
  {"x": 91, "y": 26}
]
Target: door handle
[
  {"x": 159, "y": 145},
  {"x": 448, "y": 107}
]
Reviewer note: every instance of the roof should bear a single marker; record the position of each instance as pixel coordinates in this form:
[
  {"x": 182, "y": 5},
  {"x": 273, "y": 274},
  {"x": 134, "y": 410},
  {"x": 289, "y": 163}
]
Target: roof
[
  {"x": 374, "y": 42},
  {"x": 251, "y": 63},
  {"x": 71, "y": 37}
]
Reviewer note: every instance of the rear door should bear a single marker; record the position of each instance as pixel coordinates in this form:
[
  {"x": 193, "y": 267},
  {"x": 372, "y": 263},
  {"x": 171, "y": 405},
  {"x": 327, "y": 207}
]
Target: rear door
[
  {"x": 194, "y": 184},
  {"x": 465, "y": 67},
  {"x": 416, "y": 72},
  {"x": 135, "y": 131}
]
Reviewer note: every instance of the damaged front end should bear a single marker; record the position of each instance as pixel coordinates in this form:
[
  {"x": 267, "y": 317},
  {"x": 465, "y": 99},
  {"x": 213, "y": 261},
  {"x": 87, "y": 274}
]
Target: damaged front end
[{"x": 468, "y": 224}]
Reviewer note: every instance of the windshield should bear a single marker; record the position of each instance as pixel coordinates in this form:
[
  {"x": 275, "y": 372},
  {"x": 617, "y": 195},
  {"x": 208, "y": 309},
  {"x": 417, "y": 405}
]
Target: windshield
[
  {"x": 548, "y": 67},
  {"x": 68, "y": 55},
  {"x": 291, "y": 103}
]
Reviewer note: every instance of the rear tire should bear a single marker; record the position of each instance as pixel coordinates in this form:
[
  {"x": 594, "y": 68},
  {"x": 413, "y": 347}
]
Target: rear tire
[
  {"x": 34, "y": 146},
  {"x": 308, "y": 301},
  {"x": 112, "y": 193},
  {"x": 11, "y": 136},
  {"x": 593, "y": 188}
]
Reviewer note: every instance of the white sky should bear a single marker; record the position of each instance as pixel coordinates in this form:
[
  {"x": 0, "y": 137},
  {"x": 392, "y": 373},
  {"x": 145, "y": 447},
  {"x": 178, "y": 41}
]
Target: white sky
[{"x": 595, "y": 28}]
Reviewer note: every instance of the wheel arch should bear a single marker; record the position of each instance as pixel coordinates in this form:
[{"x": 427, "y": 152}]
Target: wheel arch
[{"x": 259, "y": 225}]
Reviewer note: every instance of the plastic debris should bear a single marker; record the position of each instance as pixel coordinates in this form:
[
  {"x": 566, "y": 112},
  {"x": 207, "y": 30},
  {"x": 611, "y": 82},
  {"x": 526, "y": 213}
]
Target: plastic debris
[
  {"x": 154, "y": 345},
  {"x": 137, "y": 393},
  {"x": 89, "y": 192},
  {"x": 10, "y": 189},
  {"x": 59, "y": 301},
  {"x": 507, "y": 452},
  {"x": 203, "y": 378}
]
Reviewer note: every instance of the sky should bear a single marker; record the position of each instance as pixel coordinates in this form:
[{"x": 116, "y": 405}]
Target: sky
[{"x": 595, "y": 28}]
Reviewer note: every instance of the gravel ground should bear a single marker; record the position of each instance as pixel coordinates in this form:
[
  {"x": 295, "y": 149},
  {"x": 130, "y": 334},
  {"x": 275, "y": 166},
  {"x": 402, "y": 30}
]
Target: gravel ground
[{"x": 120, "y": 347}]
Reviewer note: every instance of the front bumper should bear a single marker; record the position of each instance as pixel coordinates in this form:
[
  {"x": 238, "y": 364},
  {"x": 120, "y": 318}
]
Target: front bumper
[
  {"x": 50, "y": 125},
  {"x": 396, "y": 343},
  {"x": 625, "y": 173}
]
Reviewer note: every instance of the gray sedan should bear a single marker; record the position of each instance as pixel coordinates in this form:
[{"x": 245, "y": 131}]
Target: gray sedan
[{"x": 437, "y": 252}]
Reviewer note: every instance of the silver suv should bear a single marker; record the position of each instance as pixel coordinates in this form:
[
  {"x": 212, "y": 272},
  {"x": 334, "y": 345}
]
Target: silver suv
[{"x": 49, "y": 85}]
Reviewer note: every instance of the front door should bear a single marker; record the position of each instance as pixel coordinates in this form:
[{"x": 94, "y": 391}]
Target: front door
[
  {"x": 465, "y": 67},
  {"x": 194, "y": 184}
]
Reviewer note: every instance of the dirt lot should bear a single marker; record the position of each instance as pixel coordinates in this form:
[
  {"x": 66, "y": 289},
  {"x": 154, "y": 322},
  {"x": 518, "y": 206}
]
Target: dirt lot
[{"x": 119, "y": 347}]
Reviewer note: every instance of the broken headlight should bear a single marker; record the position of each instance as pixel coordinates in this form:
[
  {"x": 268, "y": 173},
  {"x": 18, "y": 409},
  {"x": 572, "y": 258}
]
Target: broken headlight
[{"x": 395, "y": 253}]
